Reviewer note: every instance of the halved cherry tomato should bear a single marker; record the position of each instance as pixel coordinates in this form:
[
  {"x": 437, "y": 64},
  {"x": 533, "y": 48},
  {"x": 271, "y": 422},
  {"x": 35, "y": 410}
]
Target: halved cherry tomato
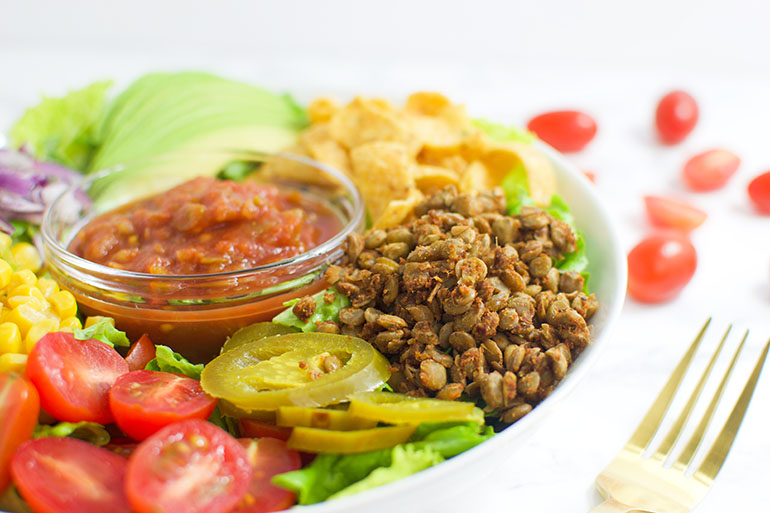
[
  {"x": 268, "y": 457},
  {"x": 253, "y": 428},
  {"x": 140, "y": 353},
  {"x": 191, "y": 466},
  {"x": 710, "y": 170},
  {"x": 74, "y": 377},
  {"x": 144, "y": 401},
  {"x": 676, "y": 116},
  {"x": 669, "y": 213},
  {"x": 660, "y": 266},
  {"x": 62, "y": 475},
  {"x": 19, "y": 409},
  {"x": 759, "y": 192},
  {"x": 565, "y": 130}
]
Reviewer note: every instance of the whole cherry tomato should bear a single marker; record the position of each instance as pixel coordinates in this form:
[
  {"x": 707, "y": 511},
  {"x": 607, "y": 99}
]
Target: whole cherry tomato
[
  {"x": 710, "y": 170},
  {"x": 565, "y": 130},
  {"x": 19, "y": 409},
  {"x": 660, "y": 266},
  {"x": 676, "y": 116},
  {"x": 759, "y": 192},
  {"x": 669, "y": 213}
]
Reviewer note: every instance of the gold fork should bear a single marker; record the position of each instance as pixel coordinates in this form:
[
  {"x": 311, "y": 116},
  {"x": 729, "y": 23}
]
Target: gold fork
[{"x": 633, "y": 482}]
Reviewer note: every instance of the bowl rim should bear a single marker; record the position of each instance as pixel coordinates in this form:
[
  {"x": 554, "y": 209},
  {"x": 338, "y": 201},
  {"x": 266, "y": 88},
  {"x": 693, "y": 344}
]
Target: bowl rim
[
  {"x": 583, "y": 364},
  {"x": 62, "y": 253}
]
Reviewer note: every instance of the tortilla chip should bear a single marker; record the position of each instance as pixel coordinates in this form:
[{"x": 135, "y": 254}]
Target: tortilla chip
[
  {"x": 502, "y": 158},
  {"x": 382, "y": 172},
  {"x": 398, "y": 211},
  {"x": 319, "y": 144},
  {"x": 427, "y": 103},
  {"x": 363, "y": 121},
  {"x": 430, "y": 179},
  {"x": 322, "y": 109},
  {"x": 476, "y": 178}
]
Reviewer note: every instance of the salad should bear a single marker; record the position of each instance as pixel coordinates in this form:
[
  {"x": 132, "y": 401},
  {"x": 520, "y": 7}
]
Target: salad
[{"x": 458, "y": 309}]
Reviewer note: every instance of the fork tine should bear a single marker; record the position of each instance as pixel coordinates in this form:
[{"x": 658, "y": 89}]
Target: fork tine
[
  {"x": 651, "y": 421},
  {"x": 676, "y": 430},
  {"x": 697, "y": 437},
  {"x": 715, "y": 458}
]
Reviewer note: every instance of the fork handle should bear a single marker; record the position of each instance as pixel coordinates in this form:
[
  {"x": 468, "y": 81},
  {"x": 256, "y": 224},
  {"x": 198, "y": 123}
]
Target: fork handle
[{"x": 611, "y": 506}]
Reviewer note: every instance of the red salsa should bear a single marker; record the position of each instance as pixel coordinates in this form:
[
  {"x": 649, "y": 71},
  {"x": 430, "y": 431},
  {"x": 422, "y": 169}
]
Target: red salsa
[{"x": 207, "y": 226}]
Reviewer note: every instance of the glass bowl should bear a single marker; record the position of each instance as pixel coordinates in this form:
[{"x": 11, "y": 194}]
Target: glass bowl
[{"x": 193, "y": 314}]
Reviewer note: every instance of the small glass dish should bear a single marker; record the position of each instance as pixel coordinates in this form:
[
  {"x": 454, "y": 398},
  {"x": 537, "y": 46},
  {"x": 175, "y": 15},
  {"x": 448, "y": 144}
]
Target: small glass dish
[{"x": 194, "y": 314}]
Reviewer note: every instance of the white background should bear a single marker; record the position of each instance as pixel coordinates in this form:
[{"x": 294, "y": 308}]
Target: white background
[{"x": 506, "y": 61}]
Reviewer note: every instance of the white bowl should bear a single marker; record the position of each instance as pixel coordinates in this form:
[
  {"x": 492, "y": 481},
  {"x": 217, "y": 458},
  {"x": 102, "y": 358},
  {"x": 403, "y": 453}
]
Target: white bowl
[{"x": 608, "y": 280}]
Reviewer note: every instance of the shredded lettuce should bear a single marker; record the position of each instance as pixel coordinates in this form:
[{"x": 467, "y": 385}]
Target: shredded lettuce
[
  {"x": 103, "y": 331},
  {"x": 504, "y": 133},
  {"x": 405, "y": 461},
  {"x": 323, "y": 311},
  {"x": 88, "y": 431},
  {"x": 166, "y": 360},
  {"x": 63, "y": 129},
  {"x": 332, "y": 474},
  {"x": 516, "y": 188}
]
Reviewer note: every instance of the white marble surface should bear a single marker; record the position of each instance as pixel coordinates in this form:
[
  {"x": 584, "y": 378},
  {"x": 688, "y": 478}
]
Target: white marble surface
[{"x": 603, "y": 59}]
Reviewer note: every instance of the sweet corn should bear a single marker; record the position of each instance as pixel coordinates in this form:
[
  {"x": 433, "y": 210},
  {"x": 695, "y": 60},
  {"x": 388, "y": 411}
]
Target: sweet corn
[
  {"x": 10, "y": 338},
  {"x": 25, "y": 316},
  {"x": 48, "y": 287},
  {"x": 22, "y": 277},
  {"x": 26, "y": 257},
  {"x": 72, "y": 323},
  {"x": 5, "y": 241},
  {"x": 91, "y": 320},
  {"x": 64, "y": 304},
  {"x": 13, "y": 362},
  {"x": 37, "y": 332},
  {"x": 6, "y": 271}
]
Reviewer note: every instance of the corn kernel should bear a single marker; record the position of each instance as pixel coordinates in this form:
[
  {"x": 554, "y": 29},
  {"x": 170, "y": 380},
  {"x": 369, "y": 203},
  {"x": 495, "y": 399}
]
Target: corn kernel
[
  {"x": 37, "y": 332},
  {"x": 6, "y": 271},
  {"x": 47, "y": 286},
  {"x": 64, "y": 304},
  {"x": 5, "y": 241},
  {"x": 10, "y": 338},
  {"x": 93, "y": 319},
  {"x": 71, "y": 323},
  {"x": 27, "y": 256},
  {"x": 13, "y": 362},
  {"x": 25, "y": 316},
  {"x": 22, "y": 277}
]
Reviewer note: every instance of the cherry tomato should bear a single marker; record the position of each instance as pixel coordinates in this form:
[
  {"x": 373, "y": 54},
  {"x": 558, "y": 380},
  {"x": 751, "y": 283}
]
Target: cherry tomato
[
  {"x": 676, "y": 116},
  {"x": 590, "y": 175},
  {"x": 257, "y": 429},
  {"x": 140, "y": 353},
  {"x": 65, "y": 475},
  {"x": 268, "y": 457},
  {"x": 565, "y": 130},
  {"x": 191, "y": 466},
  {"x": 19, "y": 409},
  {"x": 74, "y": 377},
  {"x": 759, "y": 192},
  {"x": 660, "y": 266},
  {"x": 710, "y": 170},
  {"x": 144, "y": 401},
  {"x": 669, "y": 213}
]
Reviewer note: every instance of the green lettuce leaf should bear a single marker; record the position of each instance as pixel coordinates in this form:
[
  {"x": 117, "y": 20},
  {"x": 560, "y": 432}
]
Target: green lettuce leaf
[
  {"x": 323, "y": 311},
  {"x": 166, "y": 360},
  {"x": 88, "y": 431},
  {"x": 560, "y": 210},
  {"x": 516, "y": 188},
  {"x": 405, "y": 461},
  {"x": 329, "y": 474},
  {"x": 63, "y": 129},
  {"x": 577, "y": 260},
  {"x": 224, "y": 422},
  {"x": 103, "y": 331},
  {"x": 504, "y": 133}
]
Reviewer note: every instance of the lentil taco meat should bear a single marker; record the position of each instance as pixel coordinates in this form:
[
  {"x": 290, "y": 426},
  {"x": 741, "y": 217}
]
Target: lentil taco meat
[{"x": 464, "y": 301}]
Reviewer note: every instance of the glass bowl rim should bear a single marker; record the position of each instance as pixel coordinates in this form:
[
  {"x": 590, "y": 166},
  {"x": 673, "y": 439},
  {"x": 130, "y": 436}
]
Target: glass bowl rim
[{"x": 61, "y": 252}]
